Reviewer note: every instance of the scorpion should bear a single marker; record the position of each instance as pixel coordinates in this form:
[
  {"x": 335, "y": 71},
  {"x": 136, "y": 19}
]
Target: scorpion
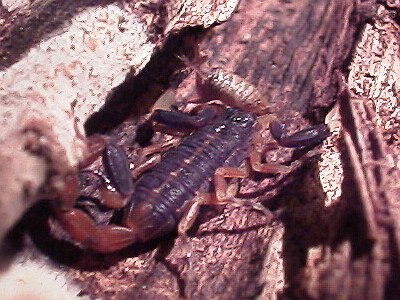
[{"x": 223, "y": 143}]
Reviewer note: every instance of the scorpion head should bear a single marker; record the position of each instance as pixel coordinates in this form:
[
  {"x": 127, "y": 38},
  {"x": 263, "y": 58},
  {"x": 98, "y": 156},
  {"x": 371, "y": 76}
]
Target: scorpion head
[{"x": 240, "y": 118}]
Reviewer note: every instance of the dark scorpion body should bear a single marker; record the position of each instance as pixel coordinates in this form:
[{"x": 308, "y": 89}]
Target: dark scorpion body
[
  {"x": 222, "y": 144},
  {"x": 166, "y": 195},
  {"x": 161, "y": 193}
]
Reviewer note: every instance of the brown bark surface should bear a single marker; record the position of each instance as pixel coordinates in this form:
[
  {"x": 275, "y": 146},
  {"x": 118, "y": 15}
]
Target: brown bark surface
[{"x": 337, "y": 235}]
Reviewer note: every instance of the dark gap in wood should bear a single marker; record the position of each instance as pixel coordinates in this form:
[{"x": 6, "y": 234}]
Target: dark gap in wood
[
  {"x": 358, "y": 31},
  {"x": 348, "y": 120},
  {"x": 138, "y": 93},
  {"x": 353, "y": 227},
  {"x": 376, "y": 151},
  {"x": 300, "y": 232},
  {"x": 392, "y": 287}
]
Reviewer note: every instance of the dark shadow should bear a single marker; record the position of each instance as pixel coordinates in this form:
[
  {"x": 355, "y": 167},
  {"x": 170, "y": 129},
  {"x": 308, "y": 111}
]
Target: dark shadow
[
  {"x": 309, "y": 224},
  {"x": 136, "y": 94},
  {"x": 12, "y": 244},
  {"x": 161, "y": 256},
  {"x": 39, "y": 22}
]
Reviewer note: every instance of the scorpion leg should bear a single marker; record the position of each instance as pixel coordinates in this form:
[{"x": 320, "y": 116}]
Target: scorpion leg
[
  {"x": 255, "y": 155},
  {"x": 221, "y": 188},
  {"x": 148, "y": 164},
  {"x": 160, "y": 147},
  {"x": 105, "y": 238},
  {"x": 266, "y": 168},
  {"x": 191, "y": 211},
  {"x": 221, "y": 197}
]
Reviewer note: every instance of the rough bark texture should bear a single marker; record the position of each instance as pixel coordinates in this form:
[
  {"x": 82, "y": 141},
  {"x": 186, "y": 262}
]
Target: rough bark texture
[
  {"x": 337, "y": 238},
  {"x": 364, "y": 260}
]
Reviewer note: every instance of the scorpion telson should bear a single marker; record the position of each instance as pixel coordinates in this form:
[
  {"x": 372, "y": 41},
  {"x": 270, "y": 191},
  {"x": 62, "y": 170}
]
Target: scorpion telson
[
  {"x": 168, "y": 195},
  {"x": 217, "y": 83}
]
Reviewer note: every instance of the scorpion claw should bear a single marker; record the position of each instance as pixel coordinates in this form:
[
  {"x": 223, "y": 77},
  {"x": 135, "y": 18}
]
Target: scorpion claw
[
  {"x": 180, "y": 120},
  {"x": 102, "y": 239},
  {"x": 304, "y": 138}
]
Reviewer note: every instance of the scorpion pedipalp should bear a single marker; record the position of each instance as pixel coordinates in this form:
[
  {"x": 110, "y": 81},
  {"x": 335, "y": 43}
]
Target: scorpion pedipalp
[
  {"x": 307, "y": 137},
  {"x": 103, "y": 238}
]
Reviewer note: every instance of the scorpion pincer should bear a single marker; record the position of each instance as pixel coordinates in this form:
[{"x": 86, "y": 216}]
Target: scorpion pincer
[{"x": 168, "y": 195}]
